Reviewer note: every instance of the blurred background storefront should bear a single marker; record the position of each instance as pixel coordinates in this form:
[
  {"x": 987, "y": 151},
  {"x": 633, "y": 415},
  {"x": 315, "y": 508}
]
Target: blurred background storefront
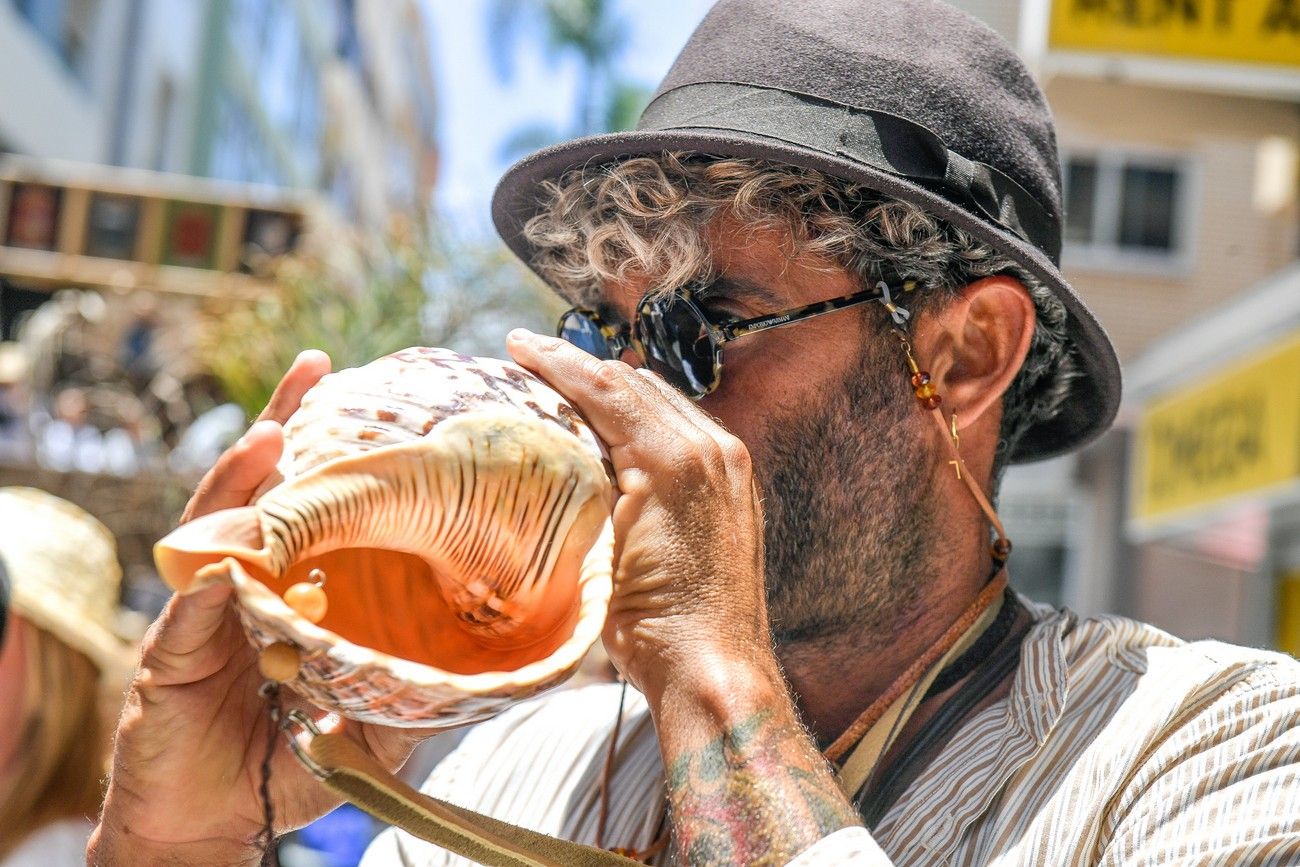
[
  {"x": 336, "y": 96},
  {"x": 1214, "y": 471},
  {"x": 1179, "y": 129}
]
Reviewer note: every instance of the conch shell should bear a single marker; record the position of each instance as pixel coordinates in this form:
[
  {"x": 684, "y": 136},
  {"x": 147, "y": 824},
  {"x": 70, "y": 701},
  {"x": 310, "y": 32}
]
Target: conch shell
[{"x": 458, "y": 510}]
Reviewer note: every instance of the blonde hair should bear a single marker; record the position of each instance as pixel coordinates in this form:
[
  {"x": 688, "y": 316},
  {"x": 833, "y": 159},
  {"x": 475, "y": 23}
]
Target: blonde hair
[
  {"x": 63, "y": 744},
  {"x": 647, "y": 217}
]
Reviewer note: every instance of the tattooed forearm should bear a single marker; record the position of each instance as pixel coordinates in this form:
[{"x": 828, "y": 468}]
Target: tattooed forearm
[{"x": 758, "y": 794}]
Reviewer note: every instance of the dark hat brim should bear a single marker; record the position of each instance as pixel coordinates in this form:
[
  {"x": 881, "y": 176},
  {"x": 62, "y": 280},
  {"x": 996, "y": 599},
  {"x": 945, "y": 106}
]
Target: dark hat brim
[{"x": 1094, "y": 395}]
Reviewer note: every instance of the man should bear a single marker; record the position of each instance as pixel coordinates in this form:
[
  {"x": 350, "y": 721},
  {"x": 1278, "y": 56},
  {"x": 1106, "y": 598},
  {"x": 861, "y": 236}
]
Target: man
[{"x": 855, "y": 206}]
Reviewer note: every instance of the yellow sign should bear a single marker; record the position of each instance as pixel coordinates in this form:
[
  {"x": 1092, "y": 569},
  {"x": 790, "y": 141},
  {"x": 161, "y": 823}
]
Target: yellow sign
[
  {"x": 1253, "y": 31},
  {"x": 1288, "y": 613},
  {"x": 1239, "y": 432}
]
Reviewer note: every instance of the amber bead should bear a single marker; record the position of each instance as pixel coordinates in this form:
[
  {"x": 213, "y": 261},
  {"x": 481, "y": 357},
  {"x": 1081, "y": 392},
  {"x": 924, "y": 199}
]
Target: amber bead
[
  {"x": 308, "y": 600},
  {"x": 924, "y": 390},
  {"x": 920, "y": 379},
  {"x": 932, "y": 402},
  {"x": 279, "y": 662}
]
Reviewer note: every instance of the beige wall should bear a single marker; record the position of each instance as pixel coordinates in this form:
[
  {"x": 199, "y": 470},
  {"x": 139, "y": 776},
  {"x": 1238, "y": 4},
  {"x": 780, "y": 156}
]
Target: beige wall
[
  {"x": 1002, "y": 15},
  {"x": 1233, "y": 244}
]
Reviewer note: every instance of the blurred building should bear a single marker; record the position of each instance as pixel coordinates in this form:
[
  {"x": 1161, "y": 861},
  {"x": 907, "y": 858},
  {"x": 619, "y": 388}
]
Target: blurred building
[
  {"x": 334, "y": 97},
  {"x": 152, "y": 153},
  {"x": 1179, "y": 131},
  {"x": 58, "y": 68}
]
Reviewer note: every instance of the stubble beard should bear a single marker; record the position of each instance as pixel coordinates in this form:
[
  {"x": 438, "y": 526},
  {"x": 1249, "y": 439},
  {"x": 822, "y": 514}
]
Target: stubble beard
[{"x": 845, "y": 481}]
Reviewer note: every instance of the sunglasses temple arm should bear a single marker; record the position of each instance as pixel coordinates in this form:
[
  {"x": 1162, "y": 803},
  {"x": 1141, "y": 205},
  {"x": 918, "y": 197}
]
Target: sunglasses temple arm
[{"x": 733, "y": 330}]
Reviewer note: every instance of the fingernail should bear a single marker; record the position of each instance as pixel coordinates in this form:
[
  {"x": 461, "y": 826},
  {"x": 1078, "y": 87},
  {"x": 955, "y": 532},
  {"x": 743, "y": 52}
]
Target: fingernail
[
  {"x": 521, "y": 335},
  {"x": 209, "y": 576}
]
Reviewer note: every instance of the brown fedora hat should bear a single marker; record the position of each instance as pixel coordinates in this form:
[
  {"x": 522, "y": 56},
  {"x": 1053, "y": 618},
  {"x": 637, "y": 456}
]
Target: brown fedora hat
[{"x": 912, "y": 98}]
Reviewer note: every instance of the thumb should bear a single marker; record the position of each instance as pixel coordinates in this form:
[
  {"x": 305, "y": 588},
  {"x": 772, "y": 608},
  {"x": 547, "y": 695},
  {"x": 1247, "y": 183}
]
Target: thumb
[{"x": 195, "y": 635}]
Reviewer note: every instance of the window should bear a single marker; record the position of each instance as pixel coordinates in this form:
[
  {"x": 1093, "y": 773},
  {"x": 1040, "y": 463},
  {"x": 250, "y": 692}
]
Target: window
[
  {"x": 164, "y": 108},
  {"x": 239, "y": 153},
  {"x": 1124, "y": 209},
  {"x": 1147, "y": 205},
  {"x": 347, "y": 43},
  {"x": 248, "y": 30},
  {"x": 65, "y": 26},
  {"x": 1080, "y": 198}
]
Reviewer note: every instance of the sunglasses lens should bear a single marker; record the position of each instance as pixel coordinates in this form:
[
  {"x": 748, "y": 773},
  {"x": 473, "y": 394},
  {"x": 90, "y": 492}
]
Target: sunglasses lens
[
  {"x": 678, "y": 345},
  {"x": 583, "y": 332}
]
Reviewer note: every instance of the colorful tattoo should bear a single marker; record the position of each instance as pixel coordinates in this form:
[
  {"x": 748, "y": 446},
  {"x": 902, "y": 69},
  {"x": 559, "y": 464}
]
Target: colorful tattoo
[{"x": 759, "y": 794}]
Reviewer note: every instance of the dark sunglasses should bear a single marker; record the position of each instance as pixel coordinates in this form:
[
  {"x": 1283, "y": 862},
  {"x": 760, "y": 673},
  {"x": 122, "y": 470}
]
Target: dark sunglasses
[{"x": 681, "y": 342}]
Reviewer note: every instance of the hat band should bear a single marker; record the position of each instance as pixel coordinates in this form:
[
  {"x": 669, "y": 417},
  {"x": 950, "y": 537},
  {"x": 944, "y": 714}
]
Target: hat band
[{"x": 873, "y": 138}]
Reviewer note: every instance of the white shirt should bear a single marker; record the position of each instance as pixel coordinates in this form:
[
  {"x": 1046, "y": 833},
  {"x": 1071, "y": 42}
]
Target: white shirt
[
  {"x": 1117, "y": 744},
  {"x": 58, "y": 844}
]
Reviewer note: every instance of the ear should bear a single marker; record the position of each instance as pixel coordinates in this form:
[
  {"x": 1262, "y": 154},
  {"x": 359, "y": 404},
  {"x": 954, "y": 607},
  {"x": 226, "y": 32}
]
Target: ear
[{"x": 978, "y": 343}]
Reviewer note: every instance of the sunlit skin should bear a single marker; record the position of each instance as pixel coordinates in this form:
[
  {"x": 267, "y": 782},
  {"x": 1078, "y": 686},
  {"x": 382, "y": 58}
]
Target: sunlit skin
[{"x": 688, "y": 625}]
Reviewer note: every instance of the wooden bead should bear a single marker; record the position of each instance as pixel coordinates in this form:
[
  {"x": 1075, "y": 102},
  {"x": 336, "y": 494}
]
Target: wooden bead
[
  {"x": 279, "y": 662},
  {"x": 932, "y": 402},
  {"x": 308, "y": 600},
  {"x": 1001, "y": 549}
]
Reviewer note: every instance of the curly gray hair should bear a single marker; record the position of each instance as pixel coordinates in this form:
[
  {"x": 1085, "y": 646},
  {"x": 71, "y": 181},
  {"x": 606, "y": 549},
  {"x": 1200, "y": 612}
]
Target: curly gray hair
[{"x": 647, "y": 217}]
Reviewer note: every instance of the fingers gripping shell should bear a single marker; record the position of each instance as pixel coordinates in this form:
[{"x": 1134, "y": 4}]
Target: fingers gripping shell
[{"x": 466, "y": 541}]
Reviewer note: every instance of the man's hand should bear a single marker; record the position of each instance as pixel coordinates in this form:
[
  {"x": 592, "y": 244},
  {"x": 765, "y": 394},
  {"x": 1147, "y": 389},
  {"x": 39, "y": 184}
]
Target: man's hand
[
  {"x": 688, "y": 623},
  {"x": 186, "y": 775},
  {"x": 687, "y": 523}
]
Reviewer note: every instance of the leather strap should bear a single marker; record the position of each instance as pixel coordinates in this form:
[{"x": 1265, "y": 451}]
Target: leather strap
[
  {"x": 914, "y": 672},
  {"x": 344, "y": 768},
  {"x": 985, "y": 506},
  {"x": 864, "y": 758},
  {"x": 983, "y": 648},
  {"x": 899, "y": 774}
]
